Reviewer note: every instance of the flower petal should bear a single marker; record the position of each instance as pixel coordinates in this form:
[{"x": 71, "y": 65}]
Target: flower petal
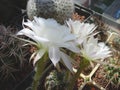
[
  {"x": 93, "y": 50},
  {"x": 54, "y": 55},
  {"x": 33, "y": 55},
  {"x": 40, "y": 39},
  {"x": 71, "y": 46},
  {"x": 67, "y": 61},
  {"x": 39, "y": 55},
  {"x": 26, "y": 32}
]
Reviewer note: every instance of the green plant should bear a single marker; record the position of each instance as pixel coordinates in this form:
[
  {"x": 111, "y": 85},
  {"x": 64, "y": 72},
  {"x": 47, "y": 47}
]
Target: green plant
[
  {"x": 55, "y": 80},
  {"x": 113, "y": 72},
  {"x": 12, "y": 53},
  {"x": 116, "y": 43}
]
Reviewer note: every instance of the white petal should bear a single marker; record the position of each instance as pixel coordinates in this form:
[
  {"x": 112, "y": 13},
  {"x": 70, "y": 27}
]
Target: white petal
[
  {"x": 28, "y": 23},
  {"x": 69, "y": 37},
  {"x": 67, "y": 61},
  {"x": 94, "y": 50},
  {"x": 54, "y": 55},
  {"x": 39, "y": 55},
  {"x": 33, "y": 55},
  {"x": 40, "y": 39},
  {"x": 26, "y": 32},
  {"x": 32, "y": 25},
  {"x": 72, "y": 46}
]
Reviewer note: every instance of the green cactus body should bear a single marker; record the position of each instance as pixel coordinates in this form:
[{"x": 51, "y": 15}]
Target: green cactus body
[
  {"x": 116, "y": 43},
  {"x": 57, "y": 9},
  {"x": 55, "y": 81},
  {"x": 113, "y": 73}
]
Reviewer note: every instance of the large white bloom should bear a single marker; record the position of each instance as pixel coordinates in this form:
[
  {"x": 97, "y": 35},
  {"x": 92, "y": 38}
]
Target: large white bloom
[
  {"x": 92, "y": 50},
  {"x": 81, "y": 30},
  {"x": 49, "y": 36}
]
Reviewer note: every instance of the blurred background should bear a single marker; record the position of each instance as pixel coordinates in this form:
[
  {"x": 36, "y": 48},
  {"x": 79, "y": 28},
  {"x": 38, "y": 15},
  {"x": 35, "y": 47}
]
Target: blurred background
[{"x": 9, "y": 9}]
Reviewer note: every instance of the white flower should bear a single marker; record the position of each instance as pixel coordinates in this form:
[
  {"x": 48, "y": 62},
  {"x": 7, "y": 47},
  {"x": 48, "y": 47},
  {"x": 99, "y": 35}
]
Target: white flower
[
  {"x": 92, "y": 50},
  {"x": 81, "y": 30},
  {"x": 49, "y": 36}
]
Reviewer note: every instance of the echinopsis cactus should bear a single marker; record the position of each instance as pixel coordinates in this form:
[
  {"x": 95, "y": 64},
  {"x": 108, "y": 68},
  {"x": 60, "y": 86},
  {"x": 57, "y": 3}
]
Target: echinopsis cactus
[
  {"x": 113, "y": 73},
  {"x": 116, "y": 43},
  {"x": 12, "y": 54},
  {"x": 57, "y": 9},
  {"x": 55, "y": 81}
]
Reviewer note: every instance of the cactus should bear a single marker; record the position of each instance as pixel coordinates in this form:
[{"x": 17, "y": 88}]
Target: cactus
[
  {"x": 116, "y": 43},
  {"x": 60, "y": 10},
  {"x": 12, "y": 54},
  {"x": 55, "y": 81},
  {"x": 113, "y": 72}
]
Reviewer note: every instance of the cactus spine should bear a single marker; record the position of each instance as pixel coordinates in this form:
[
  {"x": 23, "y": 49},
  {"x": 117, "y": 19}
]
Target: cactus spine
[{"x": 57, "y": 9}]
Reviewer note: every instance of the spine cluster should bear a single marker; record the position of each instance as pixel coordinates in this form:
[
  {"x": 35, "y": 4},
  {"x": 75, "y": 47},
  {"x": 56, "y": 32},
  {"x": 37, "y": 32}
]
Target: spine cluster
[{"x": 57, "y": 9}]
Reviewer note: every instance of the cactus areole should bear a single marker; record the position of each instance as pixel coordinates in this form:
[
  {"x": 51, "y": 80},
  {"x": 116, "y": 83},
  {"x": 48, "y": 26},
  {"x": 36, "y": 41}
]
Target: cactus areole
[{"x": 59, "y": 10}]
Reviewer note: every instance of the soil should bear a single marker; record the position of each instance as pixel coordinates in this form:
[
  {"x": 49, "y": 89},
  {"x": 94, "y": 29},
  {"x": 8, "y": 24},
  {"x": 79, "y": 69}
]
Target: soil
[
  {"x": 99, "y": 77},
  {"x": 102, "y": 81},
  {"x": 90, "y": 87}
]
